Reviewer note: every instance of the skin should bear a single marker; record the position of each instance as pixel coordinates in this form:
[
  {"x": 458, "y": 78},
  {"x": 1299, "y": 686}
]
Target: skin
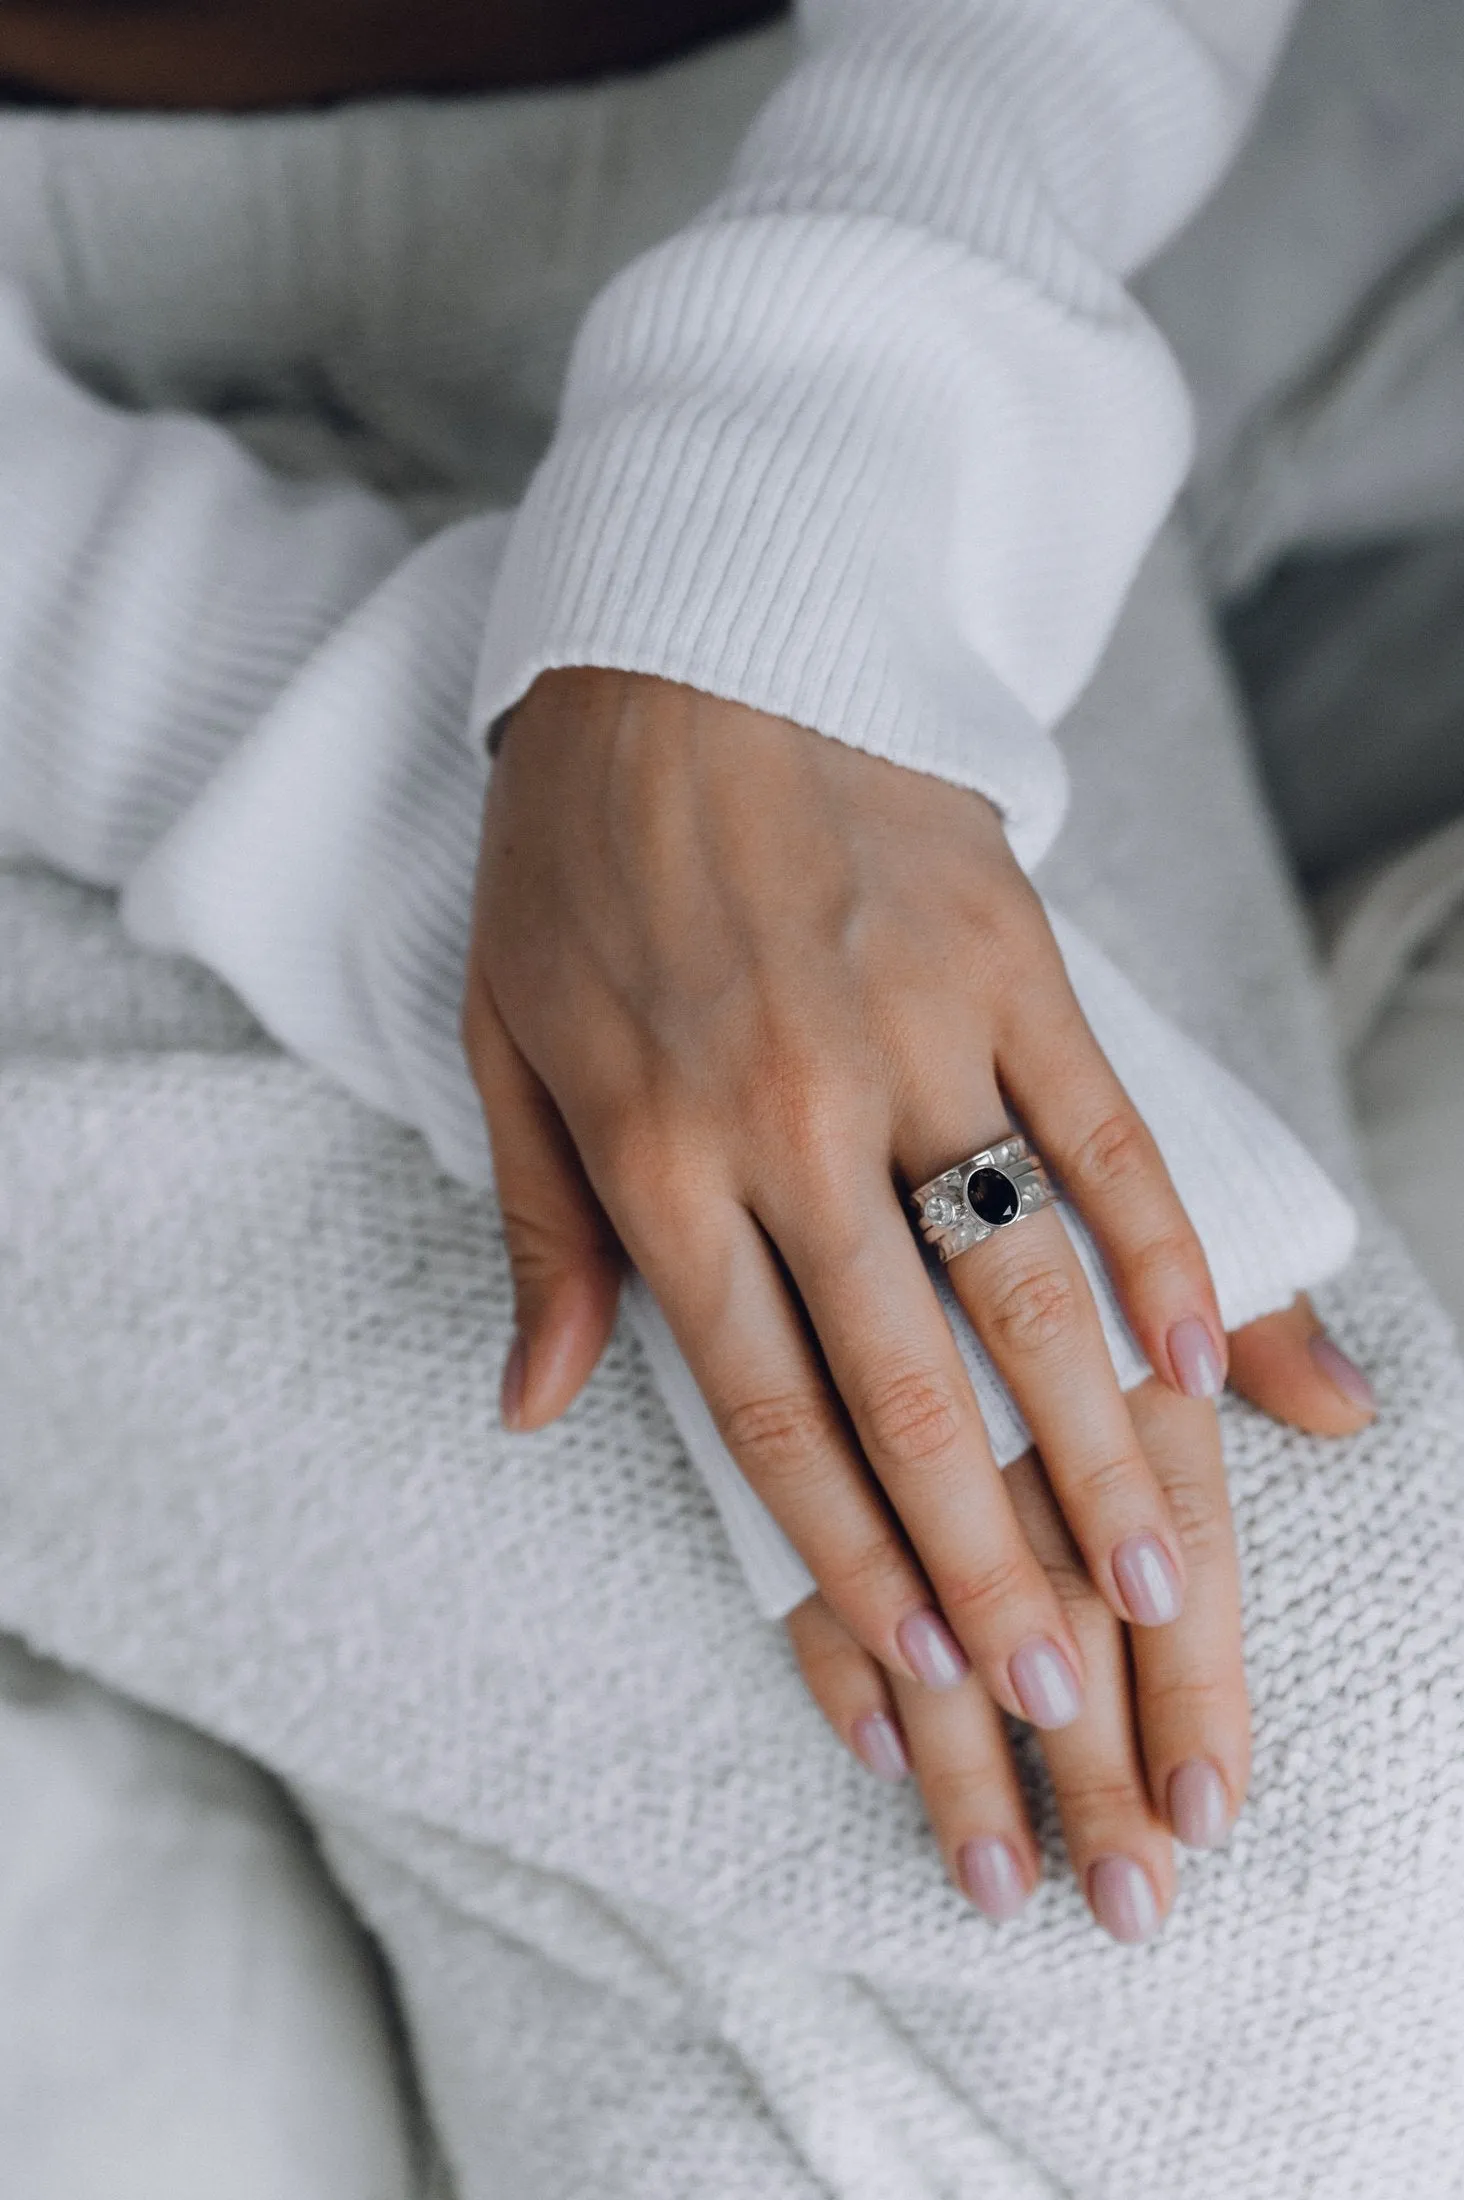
[
  {"x": 280, "y": 53},
  {"x": 731, "y": 986}
]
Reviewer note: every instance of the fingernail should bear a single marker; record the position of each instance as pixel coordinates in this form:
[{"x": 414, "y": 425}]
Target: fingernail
[
  {"x": 1343, "y": 1374},
  {"x": 1123, "y": 1899},
  {"x": 511, "y": 1392},
  {"x": 931, "y": 1650},
  {"x": 1195, "y": 1360},
  {"x": 1147, "y": 1581},
  {"x": 1045, "y": 1684},
  {"x": 1199, "y": 1808},
  {"x": 880, "y": 1746},
  {"x": 991, "y": 1877}
]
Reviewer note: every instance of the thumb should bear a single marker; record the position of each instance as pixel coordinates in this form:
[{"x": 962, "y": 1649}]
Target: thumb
[
  {"x": 565, "y": 1259},
  {"x": 1288, "y": 1366}
]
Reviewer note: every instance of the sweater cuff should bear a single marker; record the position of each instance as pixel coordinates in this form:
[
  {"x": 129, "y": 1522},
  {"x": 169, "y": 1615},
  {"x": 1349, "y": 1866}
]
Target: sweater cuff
[{"x": 832, "y": 469}]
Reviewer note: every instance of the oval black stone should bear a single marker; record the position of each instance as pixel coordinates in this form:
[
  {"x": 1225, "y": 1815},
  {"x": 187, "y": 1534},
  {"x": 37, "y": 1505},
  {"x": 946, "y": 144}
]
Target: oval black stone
[{"x": 993, "y": 1197}]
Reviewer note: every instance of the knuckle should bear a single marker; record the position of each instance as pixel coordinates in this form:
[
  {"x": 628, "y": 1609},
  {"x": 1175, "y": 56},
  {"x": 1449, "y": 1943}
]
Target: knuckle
[
  {"x": 1190, "y": 1702},
  {"x": 648, "y": 1169},
  {"x": 1104, "y": 1799},
  {"x": 1113, "y": 1157},
  {"x": 954, "y": 1792},
  {"x": 777, "y": 1436},
  {"x": 974, "y": 1595},
  {"x": 1202, "y": 1526},
  {"x": 873, "y": 1575},
  {"x": 1165, "y": 1254},
  {"x": 807, "y": 1112},
  {"x": 1192, "y": 1712},
  {"x": 1032, "y": 1313},
  {"x": 1099, "y": 1484},
  {"x": 1073, "y": 1587},
  {"x": 830, "y": 1664},
  {"x": 912, "y": 1417},
  {"x": 628, "y": 1149}
]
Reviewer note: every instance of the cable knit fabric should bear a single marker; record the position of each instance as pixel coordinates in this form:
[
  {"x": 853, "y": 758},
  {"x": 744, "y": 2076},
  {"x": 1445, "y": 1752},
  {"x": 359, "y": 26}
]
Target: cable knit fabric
[{"x": 242, "y": 699}]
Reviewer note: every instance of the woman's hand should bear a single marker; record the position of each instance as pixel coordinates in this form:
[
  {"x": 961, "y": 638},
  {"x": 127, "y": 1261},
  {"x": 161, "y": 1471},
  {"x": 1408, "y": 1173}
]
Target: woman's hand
[{"x": 730, "y": 981}]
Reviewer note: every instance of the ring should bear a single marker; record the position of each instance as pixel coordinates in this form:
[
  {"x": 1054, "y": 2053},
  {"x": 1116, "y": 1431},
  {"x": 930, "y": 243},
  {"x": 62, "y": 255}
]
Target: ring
[{"x": 969, "y": 1203}]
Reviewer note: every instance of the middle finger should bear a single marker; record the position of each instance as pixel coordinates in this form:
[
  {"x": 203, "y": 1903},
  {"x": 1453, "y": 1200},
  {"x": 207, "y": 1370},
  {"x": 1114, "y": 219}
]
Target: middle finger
[{"x": 1026, "y": 1296}]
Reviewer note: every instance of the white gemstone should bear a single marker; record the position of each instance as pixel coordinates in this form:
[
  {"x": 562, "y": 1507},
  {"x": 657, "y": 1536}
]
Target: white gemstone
[{"x": 941, "y": 1212}]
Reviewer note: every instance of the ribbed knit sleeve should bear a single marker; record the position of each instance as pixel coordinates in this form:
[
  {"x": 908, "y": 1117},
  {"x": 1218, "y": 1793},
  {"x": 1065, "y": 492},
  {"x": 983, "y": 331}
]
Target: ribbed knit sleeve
[
  {"x": 157, "y": 591},
  {"x": 878, "y": 443}
]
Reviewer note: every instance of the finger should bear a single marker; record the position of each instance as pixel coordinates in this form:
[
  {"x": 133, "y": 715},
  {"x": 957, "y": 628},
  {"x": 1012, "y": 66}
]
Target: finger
[
  {"x": 962, "y": 1761},
  {"x": 849, "y": 1689},
  {"x": 1121, "y": 1850},
  {"x": 1097, "y": 1144},
  {"x": 1194, "y": 1715},
  {"x": 1028, "y": 1300},
  {"x": 1288, "y": 1366},
  {"x": 895, "y": 1365},
  {"x": 565, "y": 1261},
  {"x": 759, "y": 1372}
]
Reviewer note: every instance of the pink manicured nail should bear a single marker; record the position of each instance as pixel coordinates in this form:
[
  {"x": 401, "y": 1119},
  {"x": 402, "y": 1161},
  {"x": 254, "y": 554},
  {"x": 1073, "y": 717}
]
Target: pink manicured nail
[
  {"x": 931, "y": 1650},
  {"x": 880, "y": 1746},
  {"x": 1147, "y": 1581},
  {"x": 1045, "y": 1684},
  {"x": 1122, "y": 1895},
  {"x": 1199, "y": 1808},
  {"x": 1195, "y": 1360},
  {"x": 1343, "y": 1374},
  {"x": 511, "y": 1392},
  {"x": 992, "y": 1878}
]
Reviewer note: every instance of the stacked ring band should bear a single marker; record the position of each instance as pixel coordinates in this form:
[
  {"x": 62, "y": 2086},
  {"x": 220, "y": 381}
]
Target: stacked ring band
[{"x": 970, "y": 1202}]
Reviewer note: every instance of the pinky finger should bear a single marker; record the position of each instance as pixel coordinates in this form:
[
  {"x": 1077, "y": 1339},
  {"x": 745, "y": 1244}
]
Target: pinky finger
[{"x": 849, "y": 1689}]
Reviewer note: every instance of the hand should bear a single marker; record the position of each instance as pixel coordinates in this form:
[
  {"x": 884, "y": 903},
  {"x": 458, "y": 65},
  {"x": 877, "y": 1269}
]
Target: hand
[
  {"x": 1162, "y": 1748},
  {"x": 729, "y": 980}
]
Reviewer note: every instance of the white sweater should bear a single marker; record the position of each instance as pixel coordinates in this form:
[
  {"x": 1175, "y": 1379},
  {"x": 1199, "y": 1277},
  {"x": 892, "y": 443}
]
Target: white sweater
[
  {"x": 878, "y": 443},
  {"x": 834, "y": 450}
]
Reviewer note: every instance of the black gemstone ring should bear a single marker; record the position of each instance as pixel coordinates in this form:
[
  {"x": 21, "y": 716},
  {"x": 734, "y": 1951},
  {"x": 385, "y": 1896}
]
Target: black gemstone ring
[{"x": 969, "y": 1203}]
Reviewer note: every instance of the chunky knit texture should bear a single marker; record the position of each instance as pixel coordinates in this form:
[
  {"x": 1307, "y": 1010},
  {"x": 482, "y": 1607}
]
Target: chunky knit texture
[
  {"x": 657, "y": 1936},
  {"x": 242, "y": 700}
]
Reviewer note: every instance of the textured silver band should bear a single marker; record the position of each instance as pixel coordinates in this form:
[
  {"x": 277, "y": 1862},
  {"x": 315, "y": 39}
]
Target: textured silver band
[{"x": 969, "y": 1203}]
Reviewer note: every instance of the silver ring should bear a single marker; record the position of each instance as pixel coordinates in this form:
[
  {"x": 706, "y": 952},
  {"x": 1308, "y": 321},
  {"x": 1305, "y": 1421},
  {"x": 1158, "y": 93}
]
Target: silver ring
[{"x": 969, "y": 1203}]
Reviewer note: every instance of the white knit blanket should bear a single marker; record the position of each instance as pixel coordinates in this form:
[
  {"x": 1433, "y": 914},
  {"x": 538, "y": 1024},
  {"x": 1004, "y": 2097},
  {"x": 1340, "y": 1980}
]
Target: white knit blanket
[{"x": 658, "y": 1937}]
